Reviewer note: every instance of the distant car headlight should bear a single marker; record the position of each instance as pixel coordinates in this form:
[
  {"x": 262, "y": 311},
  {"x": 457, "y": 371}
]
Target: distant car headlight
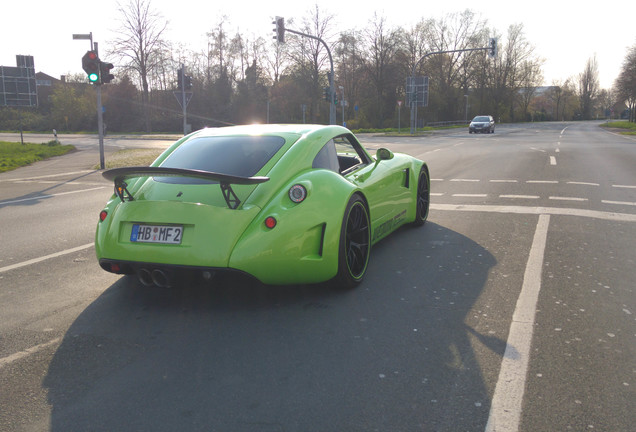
[{"x": 297, "y": 193}]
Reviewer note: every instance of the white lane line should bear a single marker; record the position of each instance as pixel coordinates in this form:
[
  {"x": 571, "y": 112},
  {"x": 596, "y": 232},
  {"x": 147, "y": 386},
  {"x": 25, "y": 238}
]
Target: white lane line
[
  {"x": 43, "y": 258},
  {"x": 506, "y": 209},
  {"x": 624, "y": 186},
  {"x": 470, "y": 195},
  {"x": 552, "y": 160},
  {"x": 619, "y": 202},
  {"x": 465, "y": 180},
  {"x": 505, "y": 408},
  {"x": 50, "y": 195},
  {"x": 59, "y": 183},
  {"x": 582, "y": 183},
  {"x": 520, "y": 196},
  {"x": 48, "y": 176},
  {"x": 542, "y": 181},
  {"x": 437, "y": 193},
  {"x": 503, "y": 181},
  {"x": 558, "y": 198},
  {"x": 27, "y": 352}
]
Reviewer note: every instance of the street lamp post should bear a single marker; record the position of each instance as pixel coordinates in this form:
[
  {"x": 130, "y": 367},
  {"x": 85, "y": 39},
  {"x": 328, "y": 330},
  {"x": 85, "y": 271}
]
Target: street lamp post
[{"x": 466, "y": 113}]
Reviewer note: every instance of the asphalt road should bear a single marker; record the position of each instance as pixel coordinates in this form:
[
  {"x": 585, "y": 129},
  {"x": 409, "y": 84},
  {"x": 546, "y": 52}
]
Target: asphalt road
[{"x": 512, "y": 309}]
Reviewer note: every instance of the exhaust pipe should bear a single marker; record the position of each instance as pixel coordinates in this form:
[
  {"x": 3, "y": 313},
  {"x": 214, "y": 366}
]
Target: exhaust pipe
[
  {"x": 161, "y": 278},
  {"x": 145, "y": 277}
]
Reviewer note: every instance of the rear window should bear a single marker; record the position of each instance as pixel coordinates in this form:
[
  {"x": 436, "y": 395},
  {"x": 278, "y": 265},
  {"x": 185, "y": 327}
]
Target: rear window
[
  {"x": 481, "y": 119},
  {"x": 240, "y": 156}
]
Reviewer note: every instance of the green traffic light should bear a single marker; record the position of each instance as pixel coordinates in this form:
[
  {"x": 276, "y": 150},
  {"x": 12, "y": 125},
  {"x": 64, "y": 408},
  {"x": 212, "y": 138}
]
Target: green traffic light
[{"x": 93, "y": 77}]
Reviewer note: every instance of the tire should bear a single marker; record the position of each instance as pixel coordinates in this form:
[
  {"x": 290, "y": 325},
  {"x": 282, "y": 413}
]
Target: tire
[
  {"x": 423, "y": 198},
  {"x": 355, "y": 244}
]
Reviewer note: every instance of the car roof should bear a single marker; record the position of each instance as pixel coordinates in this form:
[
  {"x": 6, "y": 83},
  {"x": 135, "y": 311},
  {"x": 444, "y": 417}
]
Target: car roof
[{"x": 271, "y": 129}]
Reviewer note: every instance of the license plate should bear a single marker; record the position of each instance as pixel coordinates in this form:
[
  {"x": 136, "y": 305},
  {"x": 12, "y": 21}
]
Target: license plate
[{"x": 165, "y": 234}]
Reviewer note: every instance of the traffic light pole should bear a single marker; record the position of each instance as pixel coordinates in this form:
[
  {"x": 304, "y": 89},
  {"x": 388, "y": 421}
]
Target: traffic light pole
[
  {"x": 100, "y": 119},
  {"x": 332, "y": 92}
]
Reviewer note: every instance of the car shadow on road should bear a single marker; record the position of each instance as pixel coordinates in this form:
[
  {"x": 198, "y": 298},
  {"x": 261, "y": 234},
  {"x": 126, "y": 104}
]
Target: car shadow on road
[{"x": 395, "y": 354}]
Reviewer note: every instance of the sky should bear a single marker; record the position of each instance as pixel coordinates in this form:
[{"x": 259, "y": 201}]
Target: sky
[{"x": 564, "y": 33}]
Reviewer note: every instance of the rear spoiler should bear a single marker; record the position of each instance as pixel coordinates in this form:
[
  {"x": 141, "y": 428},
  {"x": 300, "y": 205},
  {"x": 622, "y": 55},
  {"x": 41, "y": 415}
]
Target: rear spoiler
[{"x": 120, "y": 175}]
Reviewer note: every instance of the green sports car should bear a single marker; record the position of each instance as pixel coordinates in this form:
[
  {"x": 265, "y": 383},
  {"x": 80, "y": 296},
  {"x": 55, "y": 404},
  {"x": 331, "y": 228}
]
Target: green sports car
[{"x": 286, "y": 204}]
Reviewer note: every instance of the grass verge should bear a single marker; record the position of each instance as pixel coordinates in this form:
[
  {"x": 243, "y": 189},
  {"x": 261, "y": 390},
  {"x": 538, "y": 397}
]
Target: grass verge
[
  {"x": 623, "y": 127},
  {"x": 131, "y": 157},
  {"x": 15, "y": 155}
]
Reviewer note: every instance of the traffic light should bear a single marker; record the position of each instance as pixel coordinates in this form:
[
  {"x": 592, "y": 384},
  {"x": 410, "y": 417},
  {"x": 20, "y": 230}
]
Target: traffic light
[
  {"x": 104, "y": 72},
  {"x": 91, "y": 65},
  {"x": 188, "y": 82},
  {"x": 327, "y": 94},
  {"x": 492, "y": 48},
  {"x": 179, "y": 79},
  {"x": 279, "y": 29}
]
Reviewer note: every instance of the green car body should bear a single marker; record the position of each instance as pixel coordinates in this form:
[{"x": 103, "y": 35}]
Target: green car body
[{"x": 298, "y": 219}]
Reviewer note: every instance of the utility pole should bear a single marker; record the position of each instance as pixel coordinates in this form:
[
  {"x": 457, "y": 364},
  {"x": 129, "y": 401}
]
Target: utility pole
[{"x": 183, "y": 100}]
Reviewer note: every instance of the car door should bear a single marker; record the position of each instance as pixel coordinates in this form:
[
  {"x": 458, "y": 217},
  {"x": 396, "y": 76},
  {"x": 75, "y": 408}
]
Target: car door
[{"x": 383, "y": 182}]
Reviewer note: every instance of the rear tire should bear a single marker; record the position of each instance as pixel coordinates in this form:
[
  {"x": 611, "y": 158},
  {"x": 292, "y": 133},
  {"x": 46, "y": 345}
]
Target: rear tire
[
  {"x": 423, "y": 199},
  {"x": 355, "y": 244}
]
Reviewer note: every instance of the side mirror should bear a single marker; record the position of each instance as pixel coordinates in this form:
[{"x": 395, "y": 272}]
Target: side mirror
[{"x": 383, "y": 154}]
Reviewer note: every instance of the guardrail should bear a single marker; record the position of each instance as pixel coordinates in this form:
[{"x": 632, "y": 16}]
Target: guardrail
[{"x": 447, "y": 123}]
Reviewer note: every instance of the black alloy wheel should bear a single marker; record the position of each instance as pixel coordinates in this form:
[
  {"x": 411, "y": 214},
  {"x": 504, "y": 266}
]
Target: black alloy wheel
[
  {"x": 355, "y": 243},
  {"x": 423, "y": 199}
]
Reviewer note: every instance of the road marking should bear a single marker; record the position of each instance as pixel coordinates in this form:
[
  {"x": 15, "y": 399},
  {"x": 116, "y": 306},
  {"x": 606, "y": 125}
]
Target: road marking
[
  {"x": 505, "y": 408},
  {"x": 557, "y": 198},
  {"x": 470, "y": 195},
  {"x": 48, "y": 176},
  {"x": 542, "y": 181},
  {"x": 619, "y": 202},
  {"x": 624, "y": 186},
  {"x": 582, "y": 183},
  {"x": 520, "y": 196},
  {"x": 50, "y": 195},
  {"x": 503, "y": 181},
  {"x": 552, "y": 160},
  {"x": 40, "y": 259},
  {"x": 465, "y": 180},
  {"x": 27, "y": 352},
  {"x": 505, "y": 209},
  {"x": 75, "y": 183}
]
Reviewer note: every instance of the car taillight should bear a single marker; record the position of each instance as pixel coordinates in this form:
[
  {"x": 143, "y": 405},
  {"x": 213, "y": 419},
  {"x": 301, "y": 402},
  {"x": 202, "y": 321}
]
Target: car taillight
[{"x": 102, "y": 215}]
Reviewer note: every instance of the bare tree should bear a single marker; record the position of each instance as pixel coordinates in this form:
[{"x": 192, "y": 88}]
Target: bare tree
[
  {"x": 310, "y": 58},
  {"x": 349, "y": 68},
  {"x": 626, "y": 82},
  {"x": 380, "y": 63},
  {"x": 140, "y": 45},
  {"x": 588, "y": 87}
]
